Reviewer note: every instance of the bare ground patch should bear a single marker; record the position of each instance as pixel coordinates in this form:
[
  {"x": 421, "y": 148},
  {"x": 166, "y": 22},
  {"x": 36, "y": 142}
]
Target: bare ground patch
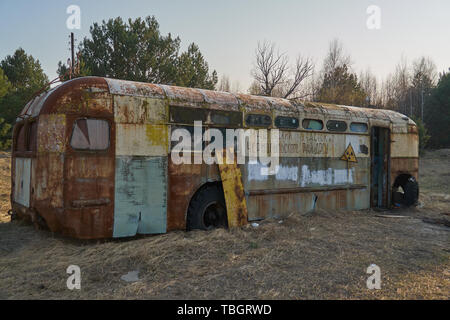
[{"x": 319, "y": 256}]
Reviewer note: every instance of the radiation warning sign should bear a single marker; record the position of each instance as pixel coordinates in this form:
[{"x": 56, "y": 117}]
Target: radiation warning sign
[{"x": 349, "y": 154}]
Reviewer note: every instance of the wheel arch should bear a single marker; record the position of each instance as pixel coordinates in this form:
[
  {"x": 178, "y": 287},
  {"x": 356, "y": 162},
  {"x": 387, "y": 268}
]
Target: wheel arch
[{"x": 195, "y": 192}]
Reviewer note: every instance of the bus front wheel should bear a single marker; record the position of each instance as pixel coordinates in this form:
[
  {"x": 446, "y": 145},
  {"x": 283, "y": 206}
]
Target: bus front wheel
[{"x": 207, "y": 209}]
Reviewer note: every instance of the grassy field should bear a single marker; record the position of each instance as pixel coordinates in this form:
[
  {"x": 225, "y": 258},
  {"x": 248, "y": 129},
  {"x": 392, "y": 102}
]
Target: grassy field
[{"x": 323, "y": 255}]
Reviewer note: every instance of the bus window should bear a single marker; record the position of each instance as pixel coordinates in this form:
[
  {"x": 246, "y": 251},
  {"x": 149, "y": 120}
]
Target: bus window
[
  {"x": 32, "y": 137},
  {"x": 229, "y": 118},
  {"x": 258, "y": 120},
  {"x": 286, "y": 122},
  {"x": 334, "y": 125},
  {"x": 185, "y": 115},
  {"x": 26, "y": 137},
  {"x": 358, "y": 127},
  {"x": 90, "y": 134},
  {"x": 311, "y": 124},
  {"x": 21, "y": 144}
]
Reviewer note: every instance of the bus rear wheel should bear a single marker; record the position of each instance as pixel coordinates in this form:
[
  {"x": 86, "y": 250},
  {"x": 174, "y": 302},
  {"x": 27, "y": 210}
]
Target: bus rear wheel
[{"x": 207, "y": 209}]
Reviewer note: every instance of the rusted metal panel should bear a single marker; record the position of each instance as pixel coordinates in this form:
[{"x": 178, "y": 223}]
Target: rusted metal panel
[
  {"x": 254, "y": 103},
  {"x": 220, "y": 100},
  {"x": 34, "y": 106},
  {"x": 184, "y": 181},
  {"x": 179, "y": 96},
  {"x": 299, "y": 178},
  {"x": 140, "y": 200},
  {"x": 404, "y": 145},
  {"x": 131, "y": 88},
  {"x": 49, "y": 181},
  {"x": 233, "y": 191},
  {"x": 139, "y": 110},
  {"x": 52, "y": 143},
  {"x": 404, "y": 166},
  {"x": 52, "y": 133},
  {"x": 82, "y": 96},
  {"x": 278, "y": 205}
]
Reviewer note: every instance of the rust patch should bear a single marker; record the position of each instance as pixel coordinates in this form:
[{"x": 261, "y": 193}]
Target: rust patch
[{"x": 404, "y": 166}]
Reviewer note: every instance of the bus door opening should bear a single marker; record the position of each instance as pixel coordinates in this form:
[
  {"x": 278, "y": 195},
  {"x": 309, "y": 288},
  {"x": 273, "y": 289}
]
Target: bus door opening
[{"x": 379, "y": 185}]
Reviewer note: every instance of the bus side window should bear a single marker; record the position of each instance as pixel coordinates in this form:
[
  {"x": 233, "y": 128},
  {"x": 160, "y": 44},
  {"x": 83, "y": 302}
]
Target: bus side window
[
  {"x": 358, "y": 127},
  {"x": 311, "y": 124},
  {"x": 226, "y": 118},
  {"x": 21, "y": 144},
  {"x": 258, "y": 120},
  {"x": 32, "y": 137},
  {"x": 90, "y": 134},
  {"x": 26, "y": 137},
  {"x": 335, "y": 125},
  {"x": 286, "y": 122}
]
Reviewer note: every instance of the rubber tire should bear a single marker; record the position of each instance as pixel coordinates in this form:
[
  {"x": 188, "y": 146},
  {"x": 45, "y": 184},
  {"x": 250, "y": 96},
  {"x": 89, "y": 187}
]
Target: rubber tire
[
  {"x": 207, "y": 195},
  {"x": 411, "y": 192}
]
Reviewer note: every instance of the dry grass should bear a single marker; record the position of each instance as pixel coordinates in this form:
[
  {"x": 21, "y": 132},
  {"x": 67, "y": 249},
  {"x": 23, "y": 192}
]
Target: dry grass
[{"x": 319, "y": 256}]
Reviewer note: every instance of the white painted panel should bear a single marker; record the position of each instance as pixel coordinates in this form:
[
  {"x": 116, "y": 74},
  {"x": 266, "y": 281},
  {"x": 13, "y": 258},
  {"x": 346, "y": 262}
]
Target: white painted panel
[{"x": 22, "y": 181}]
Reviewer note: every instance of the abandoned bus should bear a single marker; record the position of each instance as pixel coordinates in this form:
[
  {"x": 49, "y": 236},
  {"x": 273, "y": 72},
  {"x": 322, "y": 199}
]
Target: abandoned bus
[{"x": 91, "y": 159}]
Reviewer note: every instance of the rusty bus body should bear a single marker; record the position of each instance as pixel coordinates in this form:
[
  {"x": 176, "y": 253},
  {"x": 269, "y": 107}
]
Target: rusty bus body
[{"x": 127, "y": 184}]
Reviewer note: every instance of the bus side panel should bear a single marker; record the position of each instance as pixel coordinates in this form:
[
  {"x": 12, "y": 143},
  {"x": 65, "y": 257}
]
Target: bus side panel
[
  {"x": 141, "y": 197},
  {"x": 184, "y": 181},
  {"x": 305, "y": 184},
  {"x": 141, "y": 165},
  {"x": 311, "y": 174},
  {"x": 49, "y": 174}
]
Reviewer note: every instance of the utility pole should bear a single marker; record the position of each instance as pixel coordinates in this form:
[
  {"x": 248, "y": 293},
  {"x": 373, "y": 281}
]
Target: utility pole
[{"x": 72, "y": 50}]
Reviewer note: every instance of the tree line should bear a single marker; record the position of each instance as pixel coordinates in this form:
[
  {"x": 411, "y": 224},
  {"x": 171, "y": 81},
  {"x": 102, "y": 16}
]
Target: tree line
[
  {"x": 137, "y": 50},
  {"x": 416, "y": 90}
]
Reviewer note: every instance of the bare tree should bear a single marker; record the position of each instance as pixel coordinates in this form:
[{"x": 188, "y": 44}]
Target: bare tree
[
  {"x": 273, "y": 74},
  {"x": 224, "y": 84},
  {"x": 424, "y": 77},
  {"x": 402, "y": 80},
  {"x": 388, "y": 92},
  {"x": 369, "y": 84},
  {"x": 336, "y": 57},
  {"x": 425, "y": 68}
]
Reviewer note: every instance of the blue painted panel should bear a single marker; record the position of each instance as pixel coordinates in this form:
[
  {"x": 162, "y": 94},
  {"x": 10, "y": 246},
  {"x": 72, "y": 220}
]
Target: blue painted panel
[{"x": 140, "y": 196}]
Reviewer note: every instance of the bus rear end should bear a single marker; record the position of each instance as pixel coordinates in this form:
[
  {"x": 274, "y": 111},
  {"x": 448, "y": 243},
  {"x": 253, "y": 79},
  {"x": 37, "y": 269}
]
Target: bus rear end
[{"x": 63, "y": 160}]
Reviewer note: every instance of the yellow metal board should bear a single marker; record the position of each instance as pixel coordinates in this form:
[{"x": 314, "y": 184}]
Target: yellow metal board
[
  {"x": 234, "y": 192},
  {"x": 349, "y": 154}
]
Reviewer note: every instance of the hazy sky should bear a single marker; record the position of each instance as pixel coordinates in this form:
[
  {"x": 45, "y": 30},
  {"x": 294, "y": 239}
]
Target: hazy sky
[{"x": 227, "y": 32}]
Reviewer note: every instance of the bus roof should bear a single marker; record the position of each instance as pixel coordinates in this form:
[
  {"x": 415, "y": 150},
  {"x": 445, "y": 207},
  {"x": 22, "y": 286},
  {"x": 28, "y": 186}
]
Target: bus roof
[{"x": 192, "y": 97}]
